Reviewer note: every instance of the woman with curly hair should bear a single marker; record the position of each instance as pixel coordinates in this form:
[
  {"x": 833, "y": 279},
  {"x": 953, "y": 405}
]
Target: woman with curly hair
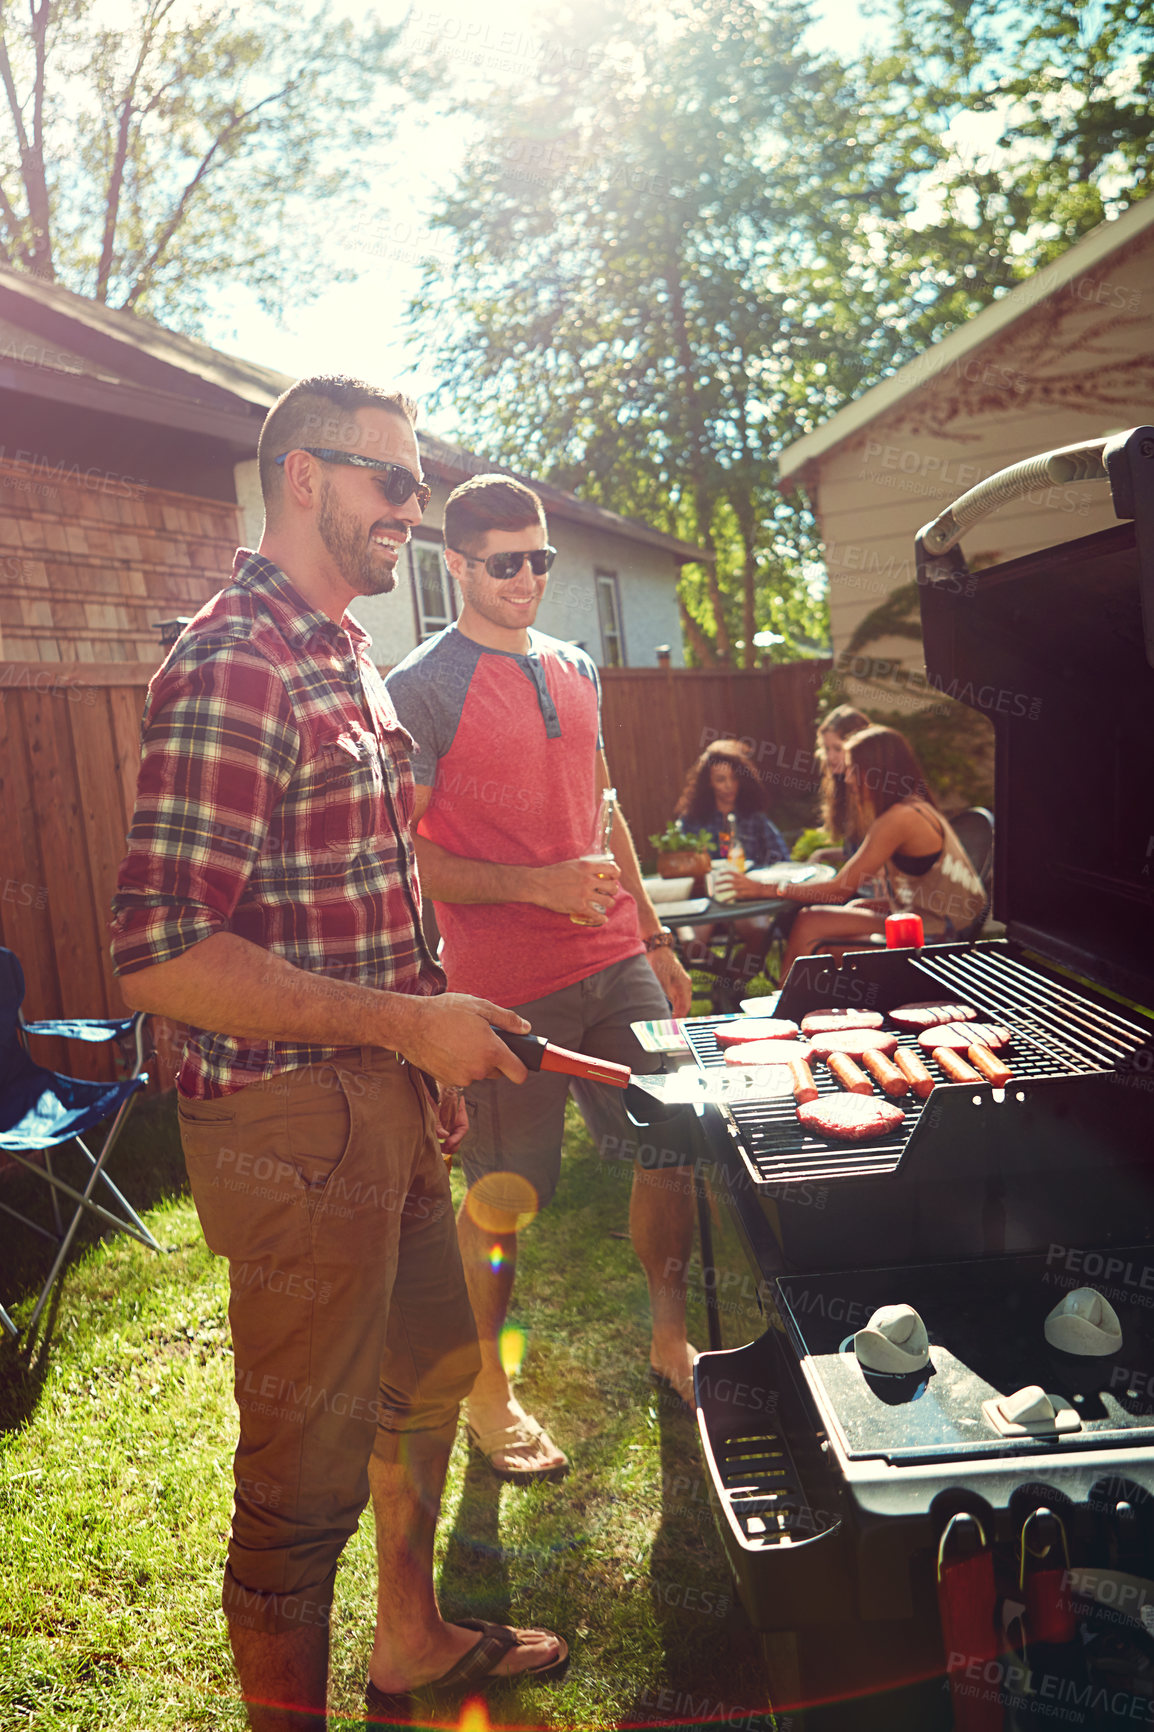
[{"x": 722, "y": 784}]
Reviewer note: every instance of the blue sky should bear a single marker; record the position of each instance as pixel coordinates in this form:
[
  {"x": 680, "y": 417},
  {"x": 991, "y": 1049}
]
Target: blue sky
[{"x": 354, "y": 327}]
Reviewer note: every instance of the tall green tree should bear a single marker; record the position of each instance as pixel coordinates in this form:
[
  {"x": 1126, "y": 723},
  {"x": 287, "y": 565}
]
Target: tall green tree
[
  {"x": 612, "y": 317},
  {"x": 688, "y": 240},
  {"x": 1009, "y": 130},
  {"x": 148, "y": 163}
]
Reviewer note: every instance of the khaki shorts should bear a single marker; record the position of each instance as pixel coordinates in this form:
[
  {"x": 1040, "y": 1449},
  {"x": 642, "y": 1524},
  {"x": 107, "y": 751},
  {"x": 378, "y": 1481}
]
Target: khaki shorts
[
  {"x": 517, "y": 1128},
  {"x": 325, "y": 1189}
]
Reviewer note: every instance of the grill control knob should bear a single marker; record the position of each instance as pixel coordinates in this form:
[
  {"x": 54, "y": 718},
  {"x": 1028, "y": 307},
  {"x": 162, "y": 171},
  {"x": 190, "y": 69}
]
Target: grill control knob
[
  {"x": 894, "y": 1340},
  {"x": 1030, "y": 1412},
  {"x": 1084, "y": 1323}
]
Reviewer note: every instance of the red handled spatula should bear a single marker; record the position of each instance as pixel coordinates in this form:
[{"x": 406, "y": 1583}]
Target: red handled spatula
[{"x": 536, "y": 1053}]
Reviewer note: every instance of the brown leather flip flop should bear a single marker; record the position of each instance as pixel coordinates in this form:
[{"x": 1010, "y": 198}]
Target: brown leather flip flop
[{"x": 472, "y": 1672}]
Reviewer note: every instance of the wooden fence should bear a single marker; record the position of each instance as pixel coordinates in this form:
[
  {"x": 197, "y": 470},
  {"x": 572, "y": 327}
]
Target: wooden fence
[
  {"x": 657, "y": 721},
  {"x": 69, "y": 748}
]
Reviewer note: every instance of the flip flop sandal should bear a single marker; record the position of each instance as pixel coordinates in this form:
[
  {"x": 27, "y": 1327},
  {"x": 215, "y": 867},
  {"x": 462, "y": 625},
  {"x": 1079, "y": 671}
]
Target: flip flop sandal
[
  {"x": 472, "y": 1672},
  {"x": 522, "y": 1434}
]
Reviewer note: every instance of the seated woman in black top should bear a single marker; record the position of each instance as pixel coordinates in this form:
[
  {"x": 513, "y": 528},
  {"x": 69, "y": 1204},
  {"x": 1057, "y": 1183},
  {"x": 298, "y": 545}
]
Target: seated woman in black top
[{"x": 907, "y": 844}]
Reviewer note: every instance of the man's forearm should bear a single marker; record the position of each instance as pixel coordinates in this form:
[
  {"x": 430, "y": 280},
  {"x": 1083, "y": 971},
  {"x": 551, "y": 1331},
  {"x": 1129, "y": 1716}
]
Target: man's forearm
[
  {"x": 450, "y": 877},
  {"x": 236, "y": 988},
  {"x": 233, "y": 987}
]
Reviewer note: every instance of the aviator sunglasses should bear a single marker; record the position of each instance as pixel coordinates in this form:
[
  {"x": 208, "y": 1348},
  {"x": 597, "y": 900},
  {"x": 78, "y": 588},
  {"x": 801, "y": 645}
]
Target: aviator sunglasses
[
  {"x": 504, "y": 565},
  {"x": 397, "y": 482}
]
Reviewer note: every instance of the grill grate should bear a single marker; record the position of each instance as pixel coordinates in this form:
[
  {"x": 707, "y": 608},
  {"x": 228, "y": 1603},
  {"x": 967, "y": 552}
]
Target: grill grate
[
  {"x": 1056, "y": 1032},
  {"x": 1081, "y": 1037}
]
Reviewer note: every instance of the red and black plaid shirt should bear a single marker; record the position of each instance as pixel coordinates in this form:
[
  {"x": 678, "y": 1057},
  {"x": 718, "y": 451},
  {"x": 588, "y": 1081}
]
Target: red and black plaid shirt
[{"x": 274, "y": 802}]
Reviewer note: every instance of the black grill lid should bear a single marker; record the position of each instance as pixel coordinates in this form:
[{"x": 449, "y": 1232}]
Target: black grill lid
[{"x": 1056, "y": 649}]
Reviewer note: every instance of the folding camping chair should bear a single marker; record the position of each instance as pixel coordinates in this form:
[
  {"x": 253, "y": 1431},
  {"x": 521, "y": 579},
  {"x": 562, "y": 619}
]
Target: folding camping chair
[{"x": 41, "y": 1110}]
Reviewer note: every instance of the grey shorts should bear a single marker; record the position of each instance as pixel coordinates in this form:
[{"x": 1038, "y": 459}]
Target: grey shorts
[{"x": 517, "y": 1128}]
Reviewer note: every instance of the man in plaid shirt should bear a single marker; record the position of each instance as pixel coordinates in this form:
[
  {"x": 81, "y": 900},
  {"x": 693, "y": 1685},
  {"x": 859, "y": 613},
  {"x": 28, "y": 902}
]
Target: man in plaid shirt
[{"x": 269, "y": 901}]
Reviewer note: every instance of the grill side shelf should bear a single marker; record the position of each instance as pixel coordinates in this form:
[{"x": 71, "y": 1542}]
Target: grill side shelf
[{"x": 762, "y": 1506}]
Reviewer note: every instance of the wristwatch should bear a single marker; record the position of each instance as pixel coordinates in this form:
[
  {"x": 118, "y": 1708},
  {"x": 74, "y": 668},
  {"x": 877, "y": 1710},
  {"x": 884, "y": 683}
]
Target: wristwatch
[{"x": 662, "y": 939}]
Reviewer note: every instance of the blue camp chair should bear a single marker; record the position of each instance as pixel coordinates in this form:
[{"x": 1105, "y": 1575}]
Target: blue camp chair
[{"x": 40, "y": 1110}]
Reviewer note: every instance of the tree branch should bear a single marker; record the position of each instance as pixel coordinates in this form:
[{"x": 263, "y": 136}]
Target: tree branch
[
  {"x": 235, "y": 123},
  {"x": 35, "y": 178},
  {"x": 119, "y": 162}
]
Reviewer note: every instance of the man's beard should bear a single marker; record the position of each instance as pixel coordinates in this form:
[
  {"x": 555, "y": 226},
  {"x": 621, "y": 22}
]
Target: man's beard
[{"x": 352, "y": 554}]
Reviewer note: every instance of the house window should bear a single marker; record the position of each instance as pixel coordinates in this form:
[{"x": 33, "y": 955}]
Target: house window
[
  {"x": 432, "y": 589},
  {"x": 609, "y": 614}
]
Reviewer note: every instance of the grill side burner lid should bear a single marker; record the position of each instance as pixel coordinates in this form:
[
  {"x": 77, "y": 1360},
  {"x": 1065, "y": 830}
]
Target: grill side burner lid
[
  {"x": 1056, "y": 650},
  {"x": 986, "y": 1324}
]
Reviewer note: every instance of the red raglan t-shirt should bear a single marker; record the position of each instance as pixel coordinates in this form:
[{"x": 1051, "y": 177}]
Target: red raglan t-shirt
[{"x": 508, "y": 744}]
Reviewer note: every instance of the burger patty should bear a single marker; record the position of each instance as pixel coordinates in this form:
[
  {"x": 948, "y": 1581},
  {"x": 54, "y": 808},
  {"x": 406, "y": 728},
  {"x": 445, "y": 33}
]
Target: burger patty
[
  {"x": 754, "y": 1028},
  {"x": 762, "y": 1080},
  {"x": 959, "y": 1035},
  {"x": 850, "y": 1118},
  {"x": 854, "y": 1041},
  {"x": 930, "y": 1011},
  {"x": 768, "y": 1051},
  {"x": 826, "y": 1021}
]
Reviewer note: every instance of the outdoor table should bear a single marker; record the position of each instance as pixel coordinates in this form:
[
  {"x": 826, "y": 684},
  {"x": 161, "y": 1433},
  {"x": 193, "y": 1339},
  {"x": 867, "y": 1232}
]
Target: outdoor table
[{"x": 701, "y": 910}]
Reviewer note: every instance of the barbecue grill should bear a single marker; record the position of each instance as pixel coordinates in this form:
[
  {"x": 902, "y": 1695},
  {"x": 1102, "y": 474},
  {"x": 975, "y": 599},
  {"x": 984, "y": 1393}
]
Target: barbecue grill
[{"x": 899, "y": 1531}]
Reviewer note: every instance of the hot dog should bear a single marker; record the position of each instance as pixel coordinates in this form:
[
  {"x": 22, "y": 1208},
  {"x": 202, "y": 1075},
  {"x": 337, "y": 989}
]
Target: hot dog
[
  {"x": 848, "y": 1074},
  {"x": 954, "y": 1065},
  {"x": 804, "y": 1087},
  {"x": 885, "y": 1071},
  {"x": 991, "y": 1067},
  {"x": 913, "y": 1069}
]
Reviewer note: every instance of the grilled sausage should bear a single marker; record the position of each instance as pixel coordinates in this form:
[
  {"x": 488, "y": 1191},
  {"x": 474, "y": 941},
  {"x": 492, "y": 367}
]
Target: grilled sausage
[
  {"x": 991, "y": 1067},
  {"x": 848, "y": 1074},
  {"x": 804, "y": 1087},
  {"x": 954, "y": 1065},
  {"x": 885, "y": 1072},
  {"x": 910, "y": 1063}
]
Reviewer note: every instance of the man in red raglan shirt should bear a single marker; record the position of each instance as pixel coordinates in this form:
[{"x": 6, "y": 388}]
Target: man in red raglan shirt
[{"x": 509, "y": 768}]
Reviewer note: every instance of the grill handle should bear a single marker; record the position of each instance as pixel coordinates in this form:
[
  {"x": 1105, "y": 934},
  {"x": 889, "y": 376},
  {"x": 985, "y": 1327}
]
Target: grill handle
[
  {"x": 1057, "y": 468},
  {"x": 1126, "y": 460}
]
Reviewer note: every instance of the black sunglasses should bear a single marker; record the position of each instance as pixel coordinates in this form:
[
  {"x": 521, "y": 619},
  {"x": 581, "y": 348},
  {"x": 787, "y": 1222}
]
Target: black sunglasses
[
  {"x": 398, "y": 483},
  {"x": 503, "y": 565}
]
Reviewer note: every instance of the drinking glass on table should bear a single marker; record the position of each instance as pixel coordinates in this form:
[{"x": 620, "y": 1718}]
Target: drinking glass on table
[{"x": 720, "y": 884}]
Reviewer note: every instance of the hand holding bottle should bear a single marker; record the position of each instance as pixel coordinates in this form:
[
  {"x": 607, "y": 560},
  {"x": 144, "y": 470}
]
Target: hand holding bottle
[{"x": 601, "y": 851}]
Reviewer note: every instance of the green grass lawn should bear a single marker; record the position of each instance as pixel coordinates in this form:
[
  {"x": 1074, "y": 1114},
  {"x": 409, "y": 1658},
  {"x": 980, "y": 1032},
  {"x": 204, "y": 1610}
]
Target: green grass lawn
[{"x": 116, "y": 1437}]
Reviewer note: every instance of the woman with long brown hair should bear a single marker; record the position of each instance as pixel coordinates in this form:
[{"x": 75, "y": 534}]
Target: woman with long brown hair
[
  {"x": 906, "y": 843},
  {"x": 833, "y": 731}
]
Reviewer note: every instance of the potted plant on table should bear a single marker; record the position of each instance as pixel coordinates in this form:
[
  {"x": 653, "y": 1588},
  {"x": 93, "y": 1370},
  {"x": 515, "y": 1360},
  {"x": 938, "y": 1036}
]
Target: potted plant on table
[{"x": 682, "y": 853}]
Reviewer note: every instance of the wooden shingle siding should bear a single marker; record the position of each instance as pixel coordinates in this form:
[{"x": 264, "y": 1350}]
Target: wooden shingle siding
[{"x": 88, "y": 562}]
